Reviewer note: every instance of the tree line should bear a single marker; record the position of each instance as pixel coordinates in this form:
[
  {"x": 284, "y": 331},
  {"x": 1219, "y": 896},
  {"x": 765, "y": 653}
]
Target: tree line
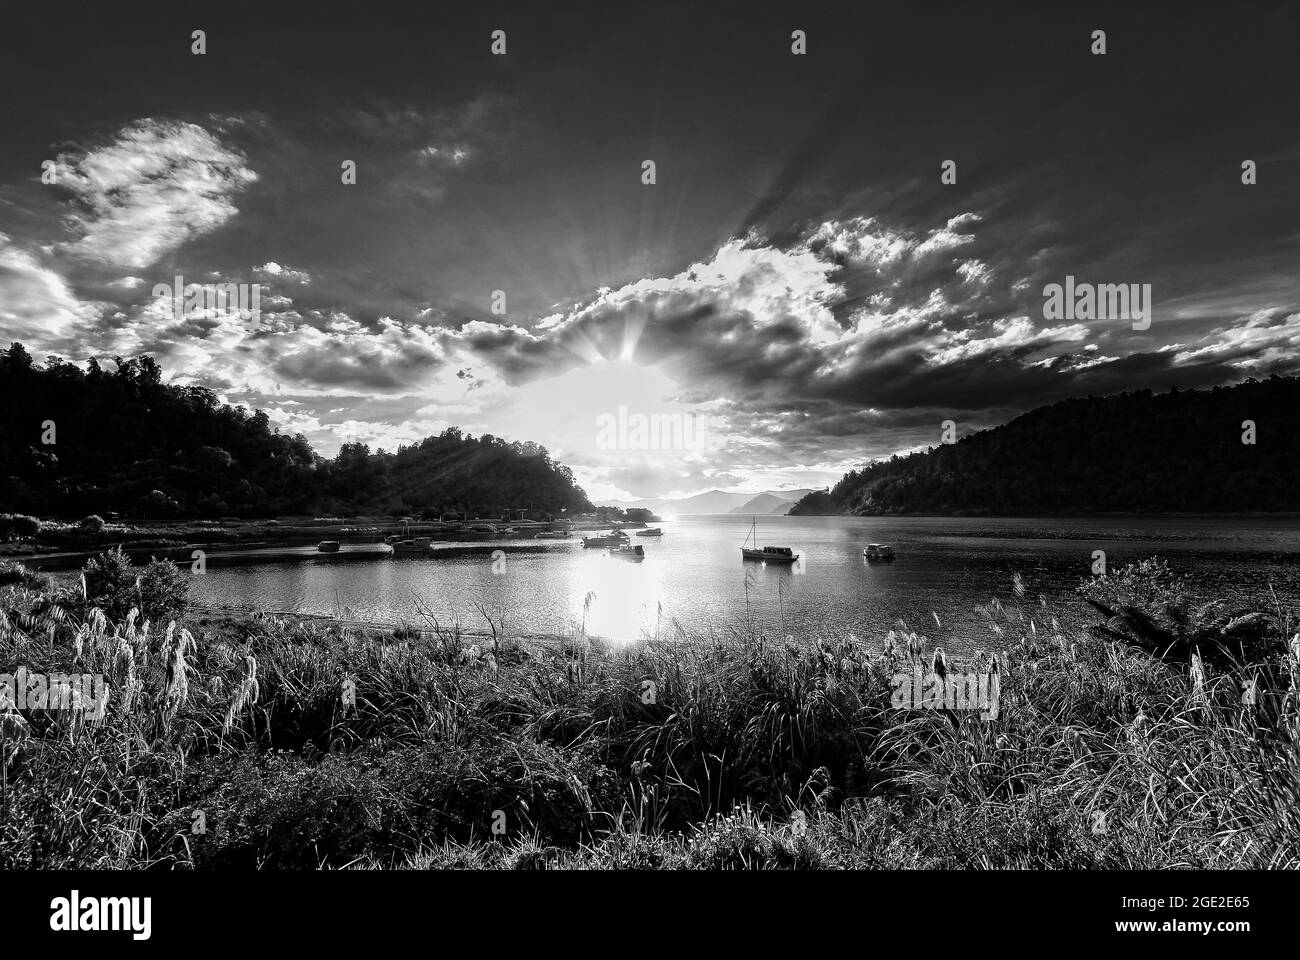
[
  {"x": 76, "y": 442},
  {"x": 1227, "y": 450}
]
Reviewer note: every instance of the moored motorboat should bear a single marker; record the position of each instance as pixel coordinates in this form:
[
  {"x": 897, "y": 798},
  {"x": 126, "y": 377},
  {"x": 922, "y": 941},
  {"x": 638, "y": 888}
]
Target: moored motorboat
[
  {"x": 765, "y": 554},
  {"x": 878, "y": 551},
  {"x": 651, "y": 532},
  {"x": 414, "y": 547},
  {"x": 769, "y": 554},
  {"x": 628, "y": 552},
  {"x": 613, "y": 539},
  {"x": 328, "y": 546},
  {"x": 552, "y": 535}
]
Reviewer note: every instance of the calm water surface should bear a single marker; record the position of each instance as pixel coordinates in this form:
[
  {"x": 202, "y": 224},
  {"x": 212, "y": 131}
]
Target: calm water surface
[{"x": 694, "y": 576}]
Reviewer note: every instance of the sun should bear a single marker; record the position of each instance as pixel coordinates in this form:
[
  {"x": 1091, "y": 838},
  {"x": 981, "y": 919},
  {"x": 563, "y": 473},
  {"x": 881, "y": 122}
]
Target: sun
[
  {"x": 564, "y": 411},
  {"x": 570, "y": 414}
]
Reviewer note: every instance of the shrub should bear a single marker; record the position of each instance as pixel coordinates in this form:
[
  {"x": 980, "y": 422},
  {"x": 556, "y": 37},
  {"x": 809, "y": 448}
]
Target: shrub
[
  {"x": 16, "y": 574},
  {"x": 156, "y": 505},
  {"x": 25, "y": 526},
  {"x": 164, "y": 591},
  {"x": 285, "y": 811},
  {"x": 1147, "y": 607},
  {"x": 93, "y": 523},
  {"x": 18, "y": 526},
  {"x": 159, "y": 591}
]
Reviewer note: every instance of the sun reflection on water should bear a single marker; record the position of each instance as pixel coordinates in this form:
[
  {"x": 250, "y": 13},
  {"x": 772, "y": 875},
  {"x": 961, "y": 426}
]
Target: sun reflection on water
[{"x": 625, "y": 595}]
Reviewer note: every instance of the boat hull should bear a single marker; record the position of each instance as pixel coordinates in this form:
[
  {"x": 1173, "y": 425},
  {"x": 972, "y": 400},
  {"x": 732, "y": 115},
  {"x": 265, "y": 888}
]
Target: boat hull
[
  {"x": 590, "y": 542},
  {"x": 412, "y": 548},
  {"x": 765, "y": 557}
]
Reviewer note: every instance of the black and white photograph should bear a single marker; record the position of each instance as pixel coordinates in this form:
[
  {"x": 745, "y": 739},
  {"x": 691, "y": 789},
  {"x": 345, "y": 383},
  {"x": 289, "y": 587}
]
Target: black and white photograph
[{"x": 658, "y": 436}]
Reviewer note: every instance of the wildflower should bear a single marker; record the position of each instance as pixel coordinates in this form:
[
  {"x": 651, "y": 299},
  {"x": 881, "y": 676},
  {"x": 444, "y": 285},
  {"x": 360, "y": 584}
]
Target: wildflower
[
  {"x": 246, "y": 693},
  {"x": 13, "y": 730},
  {"x": 1197, "y": 673},
  {"x": 178, "y": 686},
  {"x": 1078, "y": 748},
  {"x": 939, "y": 665},
  {"x": 124, "y": 667}
]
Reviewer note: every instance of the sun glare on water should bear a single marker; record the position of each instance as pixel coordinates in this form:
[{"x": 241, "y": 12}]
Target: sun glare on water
[{"x": 624, "y": 596}]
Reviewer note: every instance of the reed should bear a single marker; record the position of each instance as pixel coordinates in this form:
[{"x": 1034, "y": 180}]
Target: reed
[{"x": 750, "y": 753}]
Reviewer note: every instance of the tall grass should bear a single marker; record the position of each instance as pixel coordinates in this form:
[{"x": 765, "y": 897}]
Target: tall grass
[{"x": 237, "y": 747}]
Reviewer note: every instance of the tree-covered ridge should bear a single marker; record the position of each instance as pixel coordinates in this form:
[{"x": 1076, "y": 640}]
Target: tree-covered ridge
[
  {"x": 125, "y": 441},
  {"x": 1181, "y": 451}
]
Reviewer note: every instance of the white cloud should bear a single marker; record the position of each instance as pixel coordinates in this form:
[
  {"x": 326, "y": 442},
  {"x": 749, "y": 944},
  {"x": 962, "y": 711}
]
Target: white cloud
[
  {"x": 36, "y": 304},
  {"x": 1257, "y": 344},
  {"x": 279, "y": 272},
  {"x": 867, "y": 241},
  {"x": 975, "y": 271},
  {"x": 156, "y": 186},
  {"x": 950, "y": 236}
]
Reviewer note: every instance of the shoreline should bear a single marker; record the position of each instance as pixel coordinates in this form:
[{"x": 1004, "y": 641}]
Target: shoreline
[{"x": 258, "y": 553}]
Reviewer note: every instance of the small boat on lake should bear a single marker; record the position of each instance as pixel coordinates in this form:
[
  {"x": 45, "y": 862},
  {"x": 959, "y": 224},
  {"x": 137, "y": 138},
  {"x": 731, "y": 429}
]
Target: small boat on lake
[
  {"x": 552, "y": 535},
  {"x": 765, "y": 554},
  {"x": 628, "y": 552},
  {"x": 414, "y": 547},
  {"x": 614, "y": 539},
  {"x": 328, "y": 546},
  {"x": 651, "y": 532},
  {"x": 878, "y": 551}
]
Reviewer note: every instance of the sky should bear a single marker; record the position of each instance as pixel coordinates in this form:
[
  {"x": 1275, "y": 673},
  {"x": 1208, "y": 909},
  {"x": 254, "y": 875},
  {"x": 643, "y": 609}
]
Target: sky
[{"x": 798, "y": 283}]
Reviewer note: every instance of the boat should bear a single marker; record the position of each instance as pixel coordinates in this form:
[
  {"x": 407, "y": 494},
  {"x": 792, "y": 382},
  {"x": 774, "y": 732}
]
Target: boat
[
  {"x": 766, "y": 554},
  {"x": 628, "y": 552},
  {"x": 615, "y": 538},
  {"x": 650, "y": 532},
  {"x": 328, "y": 546},
  {"x": 414, "y": 547},
  {"x": 878, "y": 551},
  {"x": 552, "y": 535}
]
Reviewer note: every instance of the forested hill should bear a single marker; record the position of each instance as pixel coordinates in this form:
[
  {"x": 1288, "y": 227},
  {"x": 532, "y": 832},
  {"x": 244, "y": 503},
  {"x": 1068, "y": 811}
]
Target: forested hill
[
  {"x": 1181, "y": 451},
  {"x": 125, "y": 441}
]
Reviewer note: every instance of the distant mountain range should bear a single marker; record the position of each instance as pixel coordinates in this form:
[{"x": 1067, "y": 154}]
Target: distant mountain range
[
  {"x": 1226, "y": 450},
  {"x": 768, "y": 503},
  {"x": 771, "y": 504}
]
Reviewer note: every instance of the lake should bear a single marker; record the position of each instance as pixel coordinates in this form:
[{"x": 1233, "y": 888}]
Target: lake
[{"x": 946, "y": 568}]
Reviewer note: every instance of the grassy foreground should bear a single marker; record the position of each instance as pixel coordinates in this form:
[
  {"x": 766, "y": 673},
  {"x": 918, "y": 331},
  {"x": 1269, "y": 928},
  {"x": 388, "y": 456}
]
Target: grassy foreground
[{"x": 297, "y": 744}]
